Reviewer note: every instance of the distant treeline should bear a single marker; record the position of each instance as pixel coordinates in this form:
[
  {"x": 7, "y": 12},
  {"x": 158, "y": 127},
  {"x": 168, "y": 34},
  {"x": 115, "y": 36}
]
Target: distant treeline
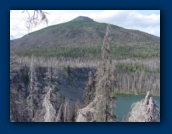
[{"x": 92, "y": 52}]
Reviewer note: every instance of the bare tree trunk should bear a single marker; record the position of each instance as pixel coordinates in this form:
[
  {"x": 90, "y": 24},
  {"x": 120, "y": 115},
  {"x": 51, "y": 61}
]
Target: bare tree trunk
[{"x": 101, "y": 108}]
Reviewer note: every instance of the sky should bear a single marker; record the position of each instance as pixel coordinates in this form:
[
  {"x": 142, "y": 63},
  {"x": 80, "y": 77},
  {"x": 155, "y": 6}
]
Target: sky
[{"x": 144, "y": 20}]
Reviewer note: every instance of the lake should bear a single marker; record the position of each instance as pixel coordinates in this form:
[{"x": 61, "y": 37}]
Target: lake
[{"x": 124, "y": 102}]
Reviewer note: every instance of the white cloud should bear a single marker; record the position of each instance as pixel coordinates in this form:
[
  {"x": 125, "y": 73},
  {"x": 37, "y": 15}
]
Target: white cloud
[{"x": 144, "y": 20}]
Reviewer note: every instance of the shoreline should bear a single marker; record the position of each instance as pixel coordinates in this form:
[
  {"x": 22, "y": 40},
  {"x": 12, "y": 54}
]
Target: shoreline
[{"x": 131, "y": 93}]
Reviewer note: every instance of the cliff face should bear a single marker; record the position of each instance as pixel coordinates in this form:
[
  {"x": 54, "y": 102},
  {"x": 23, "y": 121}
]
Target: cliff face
[{"x": 46, "y": 97}]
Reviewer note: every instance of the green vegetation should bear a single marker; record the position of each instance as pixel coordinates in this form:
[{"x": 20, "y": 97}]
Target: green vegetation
[
  {"x": 137, "y": 77},
  {"x": 134, "y": 67},
  {"x": 72, "y": 25},
  {"x": 56, "y": 89},
  {"x": 26, "y": 74},
  {"x": 67, "y": 70},
  {"x": 83, "y": 39},
  {"x": 93, "y": 52},
  {"x": 135, "y": 51},
  {"x": 117, "y": 91}
]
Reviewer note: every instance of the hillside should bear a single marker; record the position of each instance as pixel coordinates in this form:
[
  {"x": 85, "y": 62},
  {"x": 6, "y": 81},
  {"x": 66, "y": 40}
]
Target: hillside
[{"x": 84, "y": 36}]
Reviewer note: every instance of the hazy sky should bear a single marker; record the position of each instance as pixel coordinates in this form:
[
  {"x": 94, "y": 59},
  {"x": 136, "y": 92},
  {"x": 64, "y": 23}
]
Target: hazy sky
[{"x": 143, "y": 20}]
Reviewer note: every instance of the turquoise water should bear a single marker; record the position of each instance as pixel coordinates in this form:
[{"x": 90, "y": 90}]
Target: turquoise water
[{"x": 124, "y": 102}]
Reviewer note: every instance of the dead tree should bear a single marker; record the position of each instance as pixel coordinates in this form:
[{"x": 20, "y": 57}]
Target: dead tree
[
  {"x": 31, "y": 89},
  {"x": 89, "y": 92},
  {"x": 145, "y": 111},
  {"x": 101, "y": 108}
]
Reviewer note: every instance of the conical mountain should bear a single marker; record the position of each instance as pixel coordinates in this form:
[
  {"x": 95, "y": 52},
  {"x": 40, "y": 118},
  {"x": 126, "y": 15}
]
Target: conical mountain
[{"x": 81, "y": 32}]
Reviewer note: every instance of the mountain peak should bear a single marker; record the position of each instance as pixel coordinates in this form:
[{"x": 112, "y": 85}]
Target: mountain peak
[{"x": 82, "y": 18}]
